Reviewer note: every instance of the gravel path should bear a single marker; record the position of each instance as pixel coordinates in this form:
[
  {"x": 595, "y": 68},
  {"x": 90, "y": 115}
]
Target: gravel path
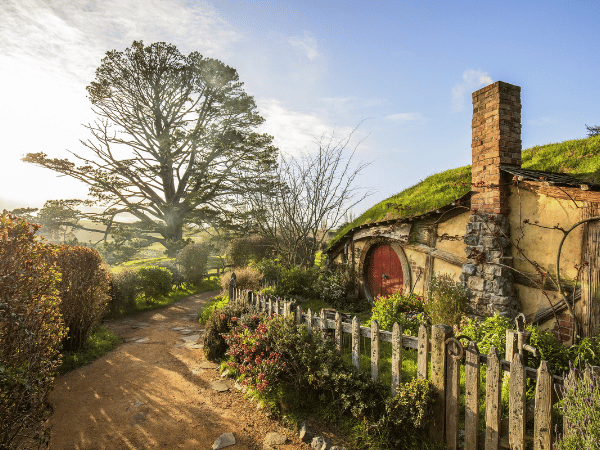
[{"x": 153, "y": 391}]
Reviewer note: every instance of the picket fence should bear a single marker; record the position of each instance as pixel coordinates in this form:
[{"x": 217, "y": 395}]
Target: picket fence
[{"x": 440, "y": 356}]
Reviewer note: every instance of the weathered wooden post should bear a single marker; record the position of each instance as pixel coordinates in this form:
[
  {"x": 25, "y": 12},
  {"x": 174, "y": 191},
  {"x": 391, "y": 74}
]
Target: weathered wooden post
[
  {"x": 396, "y": 358},
  {"x": 493, "y": 394},
  {"x": 375, "y": 350},
  {"x": 542, "y": 432},
  {"x": 423, "y": 355},
  {"x": 277, "y": 306},
  {"x": 472, "y": 370},
  {"x": 323, "y": 324},
  {"x": 356, "y": 343},
  {"x": 338, "y": 332},
  {"x": 309, "y": 316},
  {"x": 232, "y": 285},
  {"x": 299, "y": 315},
  {"x": 517, "y": 404},
  {"x": 452, "y": 390},
  {"x": 439, "y": 334}
]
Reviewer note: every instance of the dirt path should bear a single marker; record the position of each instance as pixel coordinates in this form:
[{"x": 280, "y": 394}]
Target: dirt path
[{"x": 151, "y": 392}]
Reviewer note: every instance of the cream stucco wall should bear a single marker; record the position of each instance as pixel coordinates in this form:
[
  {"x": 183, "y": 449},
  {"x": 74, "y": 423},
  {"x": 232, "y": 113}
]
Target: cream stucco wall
[
  {"x": 441, "y": 267},
  {"x": 454, "y": 227},
  {"x": 541, "y": 244}
]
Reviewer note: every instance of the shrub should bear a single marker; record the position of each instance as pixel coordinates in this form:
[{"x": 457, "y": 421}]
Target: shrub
[
  {"x": 31, "y": 331},
  {"x": 409, "y": 413},
  {"x": 242, "y": 250},
  {"x": 247, "y": 278},
  {"x": 214, "y": 303},
  {"x": 488, "y": 333},
  {"x": 298, "y": 282},
  {"x": 271, "y": 270},
  {"x": 581, "y": 407},
  {"x": 193, "y": 259},
  {"x": 218, "y": 324},
  {"x": 124, "y": 289},
  {"x": 393, "y": 308},
  {"x": 447, "y": 300},
  {"x": 155, "y": 281},
  {"x": 84, "y": 292},
  {"x": 335, "y": 285}
]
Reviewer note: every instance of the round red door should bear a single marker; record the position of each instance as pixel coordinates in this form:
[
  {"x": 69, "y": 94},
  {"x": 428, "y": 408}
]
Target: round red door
[{"x": 384, "y": 272}]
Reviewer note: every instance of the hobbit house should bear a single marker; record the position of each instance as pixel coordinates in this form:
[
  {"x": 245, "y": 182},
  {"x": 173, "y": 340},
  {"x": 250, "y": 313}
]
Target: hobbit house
[{"x": 498, "y": 226}]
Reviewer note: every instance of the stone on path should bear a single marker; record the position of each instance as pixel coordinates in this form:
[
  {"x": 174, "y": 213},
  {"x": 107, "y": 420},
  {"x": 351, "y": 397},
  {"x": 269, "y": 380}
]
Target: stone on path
[
  {"x": 320, "y": 443},
  {"x": 142, "y": 340},
  {"x": 186, "y": 331},
  {"x": 219, "y": 386},
  {"x": 178, "y": 328},
  {"x": 189, "y": 339},
  {"x": 208, "y": 365},
  {"x": 225, "y": 440},
  {"x": 140, "y": 325},
  {"x": 273, "y": 438},
  {"x": 195, "y": 346},
  {"x": 305, "y": 434}
]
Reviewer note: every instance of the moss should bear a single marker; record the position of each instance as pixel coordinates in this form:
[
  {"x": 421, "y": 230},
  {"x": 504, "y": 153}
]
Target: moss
[{"x": 579, "y": 158}]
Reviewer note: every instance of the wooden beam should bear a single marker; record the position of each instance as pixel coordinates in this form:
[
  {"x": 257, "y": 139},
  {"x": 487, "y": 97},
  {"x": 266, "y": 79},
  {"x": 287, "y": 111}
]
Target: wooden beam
[{"x": 440, "y": 254}]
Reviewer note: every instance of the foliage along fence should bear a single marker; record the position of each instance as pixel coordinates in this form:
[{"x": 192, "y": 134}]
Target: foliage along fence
[{"x": 440, "y": 356}]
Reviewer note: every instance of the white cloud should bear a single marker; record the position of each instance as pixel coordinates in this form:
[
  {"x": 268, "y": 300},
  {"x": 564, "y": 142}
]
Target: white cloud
[
  {"x": 295, "y": 132},
  {"x": 405, "y": 117},
  {"x": 307, "y": 44},
  {"x": 471, "y": 81}
]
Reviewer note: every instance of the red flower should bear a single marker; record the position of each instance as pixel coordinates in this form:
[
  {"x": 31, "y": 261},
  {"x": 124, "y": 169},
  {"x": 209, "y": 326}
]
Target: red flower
[
  {"x": 222, "y": 316},
  {"x": 234, "y": 319}
]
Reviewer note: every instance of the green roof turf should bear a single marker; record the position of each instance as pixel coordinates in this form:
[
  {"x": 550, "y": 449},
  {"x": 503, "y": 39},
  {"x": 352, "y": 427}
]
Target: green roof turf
[{"x": 579, "y": 158}]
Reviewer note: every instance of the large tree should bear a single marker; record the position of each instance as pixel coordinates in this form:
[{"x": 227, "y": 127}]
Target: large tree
[{"x": 174, "y": 143}]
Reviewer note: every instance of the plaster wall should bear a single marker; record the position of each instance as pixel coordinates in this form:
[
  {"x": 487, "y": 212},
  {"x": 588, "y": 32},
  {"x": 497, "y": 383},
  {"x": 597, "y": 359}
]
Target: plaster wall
[
  {"x": 442, "y": 267},
  {"x": 541, "y": 244},
  {"x": 454, "y": 227},
  {"x": 417, "y": 262}
]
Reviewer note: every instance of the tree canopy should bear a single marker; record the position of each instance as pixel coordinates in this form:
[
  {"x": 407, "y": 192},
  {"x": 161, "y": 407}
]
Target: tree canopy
[{"x": 174, "y": 143}]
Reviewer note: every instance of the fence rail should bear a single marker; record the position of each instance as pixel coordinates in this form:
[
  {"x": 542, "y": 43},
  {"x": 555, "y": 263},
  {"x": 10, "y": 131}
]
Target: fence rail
[{"x": 439, "y": 359}]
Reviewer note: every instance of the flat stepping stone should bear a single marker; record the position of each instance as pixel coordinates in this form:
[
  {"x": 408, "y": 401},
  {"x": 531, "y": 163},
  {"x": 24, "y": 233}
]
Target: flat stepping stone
[
  {"x": 142, "y": 340},
  {"x": 192, "y": 338},
  {"x": 179, "y": 328},
  {"x": 140, "y": 325},
  {"x": 208, "y": 365},
  {"x": 195, "y": 346},
  {"x": 219, "y": 386},
  {"x": 225, "y": 440},
  {"x": 186, "y": 331},
  {"x": 273, "y": 438}
]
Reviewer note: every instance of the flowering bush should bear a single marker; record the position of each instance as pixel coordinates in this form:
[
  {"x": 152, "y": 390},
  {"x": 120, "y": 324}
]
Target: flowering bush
[
  {"x": 251, "y": 354},
  {"x": 581, "y": 407},
  {"x": 393, "y": 308}
]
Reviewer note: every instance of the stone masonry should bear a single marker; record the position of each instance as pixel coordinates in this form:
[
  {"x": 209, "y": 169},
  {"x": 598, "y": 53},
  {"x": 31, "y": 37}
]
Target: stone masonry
[{"x": 496, "y": 140}]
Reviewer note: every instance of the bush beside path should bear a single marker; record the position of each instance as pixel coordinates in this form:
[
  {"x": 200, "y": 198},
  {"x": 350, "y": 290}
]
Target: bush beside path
[{"x": 153, "y": 391}]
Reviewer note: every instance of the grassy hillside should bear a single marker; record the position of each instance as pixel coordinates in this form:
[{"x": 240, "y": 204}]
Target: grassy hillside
[{"x": 579, "y": 158}]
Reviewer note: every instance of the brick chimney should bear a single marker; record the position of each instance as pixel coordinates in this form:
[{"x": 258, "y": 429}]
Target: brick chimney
[{"x": 496, "y": 140}]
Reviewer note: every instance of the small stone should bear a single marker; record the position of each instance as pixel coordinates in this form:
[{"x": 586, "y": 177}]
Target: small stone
[
  {"x": 138, "y": 404},
  {"x": 142, "y": 340},
  {"x": 218, "y": 386},
  {"x": 195, "y": 346},
  {"x": 305, "y": 434},
  {"x": 208, "y": 365},
  {"x": 197, "y": 372},
  {"x": 191, "y": 339},
  {"x": 186, "y": 331},
  {"x": 273, "y": 439},
  {"x": 320, "y": 443},
  {"x": 225, "y": 440},
  {"x": 140, "y": 417},
  {"x": 125, "y": 321},
  {"x": 178, "y": 328}
]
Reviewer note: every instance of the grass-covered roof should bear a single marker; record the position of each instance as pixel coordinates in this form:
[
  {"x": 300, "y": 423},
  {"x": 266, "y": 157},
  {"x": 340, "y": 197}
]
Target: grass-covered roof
[{"x": 579, "y": 158}]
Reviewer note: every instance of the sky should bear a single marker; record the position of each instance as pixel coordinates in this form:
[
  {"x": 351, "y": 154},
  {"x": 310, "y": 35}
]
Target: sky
[{"x": 402, "y": 71}]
